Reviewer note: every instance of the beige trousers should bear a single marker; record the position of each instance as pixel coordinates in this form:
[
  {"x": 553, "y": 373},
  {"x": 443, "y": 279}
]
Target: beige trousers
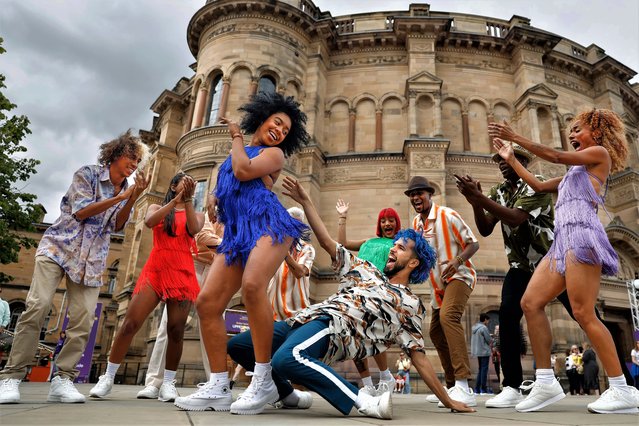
[{"x": 47, "y": 275}]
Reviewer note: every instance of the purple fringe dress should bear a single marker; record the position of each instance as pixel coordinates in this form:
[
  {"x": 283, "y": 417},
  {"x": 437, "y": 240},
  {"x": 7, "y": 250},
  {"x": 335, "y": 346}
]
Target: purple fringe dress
[
  {"x": 249, "y": 211},
  {"x": 577, "y": 226}
]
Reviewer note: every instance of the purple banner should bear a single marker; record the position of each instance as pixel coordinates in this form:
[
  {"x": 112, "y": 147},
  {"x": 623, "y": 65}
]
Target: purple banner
[
  {"x": 84, "y": 365},
  {"x": 236, "y": 321}
]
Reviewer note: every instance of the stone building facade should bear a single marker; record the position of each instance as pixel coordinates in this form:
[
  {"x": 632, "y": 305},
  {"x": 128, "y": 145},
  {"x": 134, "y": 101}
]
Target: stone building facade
[{"x": 390, "y": 95}]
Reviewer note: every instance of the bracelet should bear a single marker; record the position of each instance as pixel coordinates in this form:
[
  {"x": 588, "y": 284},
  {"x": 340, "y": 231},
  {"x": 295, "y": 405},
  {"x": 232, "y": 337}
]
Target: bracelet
[
  {"x": 237, "y": 135},
  {"x": 342, "y": 217},
  {"x": 460, "y": 260},
  {"x": 187, "y": 200}
]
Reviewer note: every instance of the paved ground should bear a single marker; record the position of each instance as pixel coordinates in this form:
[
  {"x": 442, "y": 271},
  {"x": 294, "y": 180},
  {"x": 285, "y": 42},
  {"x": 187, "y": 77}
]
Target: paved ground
[{"x": 121, "y": 408}]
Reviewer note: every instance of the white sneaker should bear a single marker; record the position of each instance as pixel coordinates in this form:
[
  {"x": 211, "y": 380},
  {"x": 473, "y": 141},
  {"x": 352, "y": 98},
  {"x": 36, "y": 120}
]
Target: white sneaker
[
  {"x": 616, "y": 400},
  {"x": 103, "y": 387},
  {"x": 460, "y": 394},
  {"x": 63, "y": 390},
  {"x": 167, "y": 392},
  {"x": 369, "y": 390},
  {"x": 305, "y": 400},
  {"x": 540, "y": 396},
  {"x": 379, "y": 407},
  {"x": 209, "y": 396},
  {"x": 509, "y": 397},
  {"x": 433, "y": 398},
  {"x": 386, "y": 385},
  {"x": 259, "y": 393},
  {"x": 149, "y": 392},
  {"x": 9, "y": 391}
]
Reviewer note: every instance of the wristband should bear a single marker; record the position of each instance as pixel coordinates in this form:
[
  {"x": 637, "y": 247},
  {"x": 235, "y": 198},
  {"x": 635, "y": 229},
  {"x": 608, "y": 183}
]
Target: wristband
[
  {"x": 237, "y": 135},
  {"x": 187, "y": 200},
  {"x": 460, "y": 260}
]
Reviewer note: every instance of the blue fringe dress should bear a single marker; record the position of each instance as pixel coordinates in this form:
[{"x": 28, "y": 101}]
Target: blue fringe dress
[
  {"x": 577, "y": 226},
  {"x": 249, "y": 211}
]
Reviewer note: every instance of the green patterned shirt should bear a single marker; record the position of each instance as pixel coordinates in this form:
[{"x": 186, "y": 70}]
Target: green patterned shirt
[{"x": 527, "y": 243}]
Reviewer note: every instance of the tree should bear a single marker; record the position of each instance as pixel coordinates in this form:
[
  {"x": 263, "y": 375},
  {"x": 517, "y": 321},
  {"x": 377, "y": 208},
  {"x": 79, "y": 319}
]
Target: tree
[{"x": 17, "y": 209}]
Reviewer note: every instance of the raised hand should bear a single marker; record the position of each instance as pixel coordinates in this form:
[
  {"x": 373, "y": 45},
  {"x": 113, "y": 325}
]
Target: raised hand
[
  {"x": 141, "y": 182},
  {"x": 468, "y": 187},
  {"x": 501, "y": 130},
  {"x": 504, "y": 149},
  {"x": 188, "y": 186},
  {"x": 342, "y": 207},
  {"x": 234, "y": 128},
  {"x": 293, "y": 189}
]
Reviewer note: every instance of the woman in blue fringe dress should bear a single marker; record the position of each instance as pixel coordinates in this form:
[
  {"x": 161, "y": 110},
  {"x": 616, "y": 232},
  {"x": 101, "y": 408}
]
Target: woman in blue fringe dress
[
  {"x": 580, "y": 253},
  {"x": 258, "y": 233}
]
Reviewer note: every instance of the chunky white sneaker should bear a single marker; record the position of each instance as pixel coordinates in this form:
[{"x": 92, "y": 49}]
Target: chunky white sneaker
[
  {"x": 540, "y": 396},
  {"x": 103, "y": 387},
  {"x": 209, "y": 396},
  {"x": 9, "y": 391},
  {"x": 460, "y": 394},
  {"x": 305, "y": 401},
  {"x": 379, "y": 407},
  {"x": 386, "y": 385},
  {"x": 149, "y": 392},
  {"x": 433, "y": 398},
  {"x": 167, "y": 392},
  {"x": 509, "y": 397},
  {"x": 615, "y": 400},
  {"x": 63, "y": 390},
  {"x": 259, "y": 393}
]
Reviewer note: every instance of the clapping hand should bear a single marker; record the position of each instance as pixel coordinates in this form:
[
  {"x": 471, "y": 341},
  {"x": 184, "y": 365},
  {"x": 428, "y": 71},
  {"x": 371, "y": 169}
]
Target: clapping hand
[{"x": 504, "y": 149}]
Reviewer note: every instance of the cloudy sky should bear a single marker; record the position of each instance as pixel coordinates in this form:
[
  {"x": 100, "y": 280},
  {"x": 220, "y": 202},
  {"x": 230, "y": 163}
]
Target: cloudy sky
[{"x": 84, "y": 71}]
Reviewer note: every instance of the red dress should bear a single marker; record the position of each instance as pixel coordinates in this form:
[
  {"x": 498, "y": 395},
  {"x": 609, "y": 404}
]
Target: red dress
[{"x": 169, "y": 269}]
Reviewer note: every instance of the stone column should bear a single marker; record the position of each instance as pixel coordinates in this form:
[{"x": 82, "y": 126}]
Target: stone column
[
  {"x": 200, "y": 106},
  {"x": 378, "y": 130},
  {"x": 532, "y": 120},
  {"x": 437, "y": 115},
  {"x": 189, "y": 116},
  {"x": 224, "y": 100},
  {"x": 556, "y": 133},
  {"x": 351, "y": 130},
  {"x": 490, "y": 117},
  {"x": 465, "y": 130},
  {"x": 412, "y": 113},
  {"x": 253, "y": 87}
]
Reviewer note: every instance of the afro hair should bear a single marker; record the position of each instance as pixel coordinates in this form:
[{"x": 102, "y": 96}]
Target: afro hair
[{"x": 263, "y": 105}]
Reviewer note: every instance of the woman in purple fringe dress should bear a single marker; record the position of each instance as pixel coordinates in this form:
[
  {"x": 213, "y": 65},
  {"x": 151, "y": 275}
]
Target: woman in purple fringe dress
[
  {"x": 258, "y": 233},
  {"x": 580, "y": 253}
]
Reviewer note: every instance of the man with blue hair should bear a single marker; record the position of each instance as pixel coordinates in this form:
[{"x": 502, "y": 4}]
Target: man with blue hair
[{"x": 370, "y": 312}]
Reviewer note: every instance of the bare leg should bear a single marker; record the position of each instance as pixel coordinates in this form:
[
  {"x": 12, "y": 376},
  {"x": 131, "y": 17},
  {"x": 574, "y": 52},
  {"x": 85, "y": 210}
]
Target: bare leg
[
  {"x": 582, "y": 283},
  {"x": 177, "y": 312},
  {"x": 141, "y": 305},
  {"x": 544, "y": 286},
  {"x": 221, "y": 284},
  {"x": 261, "y": 265}
]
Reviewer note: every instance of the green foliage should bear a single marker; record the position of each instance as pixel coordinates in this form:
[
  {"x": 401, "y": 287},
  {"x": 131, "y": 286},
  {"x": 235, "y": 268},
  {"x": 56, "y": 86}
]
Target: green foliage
[{"x": 17, "y": 209}]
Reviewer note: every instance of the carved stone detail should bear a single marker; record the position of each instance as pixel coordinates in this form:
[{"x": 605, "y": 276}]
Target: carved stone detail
[
  {"x": 427, "y": 161},
  {"x": 475, "y": 61},
  {"x": 369, "y": 60}
]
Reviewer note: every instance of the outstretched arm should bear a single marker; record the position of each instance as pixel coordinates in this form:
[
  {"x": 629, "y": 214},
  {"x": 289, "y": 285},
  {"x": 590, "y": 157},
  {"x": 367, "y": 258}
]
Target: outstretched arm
[
  {"x": 427, "y": 373},
  {"x": 590, "y": 156},
  {"x": 293, "y": 189},
  {"x": 505, "y": 150},
  {"x": 342, "y": 214}
]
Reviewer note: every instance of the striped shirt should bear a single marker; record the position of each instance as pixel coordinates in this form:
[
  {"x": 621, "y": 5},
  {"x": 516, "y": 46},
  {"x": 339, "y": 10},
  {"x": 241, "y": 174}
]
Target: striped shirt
[
  {"x": 449, "y": 235},
  {"x": 287, "y": 293}
]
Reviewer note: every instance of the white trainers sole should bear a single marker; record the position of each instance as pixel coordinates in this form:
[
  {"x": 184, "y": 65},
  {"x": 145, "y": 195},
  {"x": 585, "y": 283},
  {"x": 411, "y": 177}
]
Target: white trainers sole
[
  {"x": 203, "y": 405},
  {"x": 543, "y": 404}
]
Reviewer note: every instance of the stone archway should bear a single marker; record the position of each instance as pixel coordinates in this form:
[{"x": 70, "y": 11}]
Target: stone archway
[{"x": 626, "y": 244}]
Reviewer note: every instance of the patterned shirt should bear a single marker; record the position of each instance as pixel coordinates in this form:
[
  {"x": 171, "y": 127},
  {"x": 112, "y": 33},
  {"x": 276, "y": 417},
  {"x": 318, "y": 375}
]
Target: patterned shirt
[
  {"x": 449, "y": 235},
  {"x": 526, "y": 244},
  {"x": 80, "y": 247},
  {"x": 368, "y": 313},
  {"x": 287, "y": 293}
]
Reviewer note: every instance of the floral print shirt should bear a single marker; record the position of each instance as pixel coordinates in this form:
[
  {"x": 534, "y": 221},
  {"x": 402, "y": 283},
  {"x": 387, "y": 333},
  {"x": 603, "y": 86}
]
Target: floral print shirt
[
  {"x": 529, "y": 242},
  {"x": 367, "y": 314},
  {"x": 80, "y": 247}
]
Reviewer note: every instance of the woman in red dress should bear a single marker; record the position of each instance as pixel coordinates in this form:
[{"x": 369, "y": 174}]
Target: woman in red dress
[{"x": 169, "y": 276}]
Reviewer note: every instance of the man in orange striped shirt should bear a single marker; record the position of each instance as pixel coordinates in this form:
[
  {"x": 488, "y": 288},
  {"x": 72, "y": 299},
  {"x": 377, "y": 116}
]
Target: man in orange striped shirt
[
  {"x": 288, "y": 290},
  {"x": 452, "y": 280}
]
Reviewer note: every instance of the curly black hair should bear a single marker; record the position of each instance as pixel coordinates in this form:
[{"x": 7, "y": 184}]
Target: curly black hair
[
  {"x": 263, "y": 105},
  {"x": 125, "y": 144},
  {"x": 169, "y": 219}
]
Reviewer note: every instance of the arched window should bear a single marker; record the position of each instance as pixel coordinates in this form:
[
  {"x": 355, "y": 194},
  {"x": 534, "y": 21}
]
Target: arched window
[
  {"x": 214, "y": 100},
  {"x": 266, "y": 84}
]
